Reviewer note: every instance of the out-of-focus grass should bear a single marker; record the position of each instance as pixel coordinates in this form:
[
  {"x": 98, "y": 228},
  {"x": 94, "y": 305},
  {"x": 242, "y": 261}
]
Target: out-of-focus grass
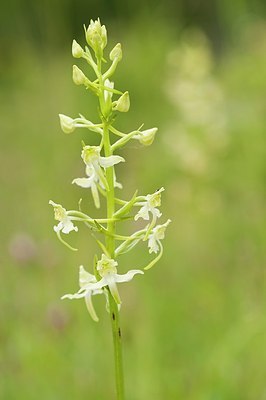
[{"x": 194, "y": 326}]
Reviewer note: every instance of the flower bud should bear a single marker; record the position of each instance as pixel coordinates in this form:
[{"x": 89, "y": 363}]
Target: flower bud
[
  {"x": 77, "y": 50},
  {"x": 96, "y": 36},
  {"x": 116, "y": 53},
  {"x": 146, "y": 137},
  {"x": 123, "y": 103},
  {"x": 78, "y": 76},
  {"x": 67, "y": 123}
]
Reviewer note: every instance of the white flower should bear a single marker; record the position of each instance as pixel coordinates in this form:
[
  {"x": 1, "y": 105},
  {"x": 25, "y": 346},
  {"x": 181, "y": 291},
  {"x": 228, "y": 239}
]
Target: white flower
[
  {"x": 157, "y": 234},
  {"x": 146, "y": 137},
  {"x": 107, "y": 270},
  {"x": 149, "y": 205},
  {"x": 65, "y": 224},
  {"x": 85, "y": 279},
  {"x": 94, "y": 164}
]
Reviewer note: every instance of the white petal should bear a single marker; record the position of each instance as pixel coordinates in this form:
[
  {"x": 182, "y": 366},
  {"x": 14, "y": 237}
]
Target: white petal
[
  {"x": 83, "y": 182},
  {"x": 85, "y": 277},
  {"x": 128, "y": 276},
  {"x": 95, "y": 286},
  {"x": 111, "y": 279},
  {"x": 68, "y": 226},
  {"x": 110, "y": 161},
  {"x": 90, "y": 306},
  {"x": 74, "y": 296},
  {"x": 152, "y": 244},
  {"x": 95, "y": 195},
  {"x": 53, "y": 203},
  {"x": 143, "y": 213},
  {"x": 156, "y": 213}
]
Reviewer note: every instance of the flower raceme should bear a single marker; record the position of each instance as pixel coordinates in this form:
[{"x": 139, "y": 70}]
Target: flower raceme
[{"x": 100, "y": 176}]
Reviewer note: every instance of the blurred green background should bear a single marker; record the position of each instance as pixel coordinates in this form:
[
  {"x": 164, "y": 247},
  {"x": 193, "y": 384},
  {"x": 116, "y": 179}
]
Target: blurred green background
[{"x": 194, "y": 326}]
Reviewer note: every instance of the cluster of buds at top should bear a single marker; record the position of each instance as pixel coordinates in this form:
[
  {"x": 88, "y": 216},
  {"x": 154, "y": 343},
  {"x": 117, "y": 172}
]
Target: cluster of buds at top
[{"x": 100, "y": 179}]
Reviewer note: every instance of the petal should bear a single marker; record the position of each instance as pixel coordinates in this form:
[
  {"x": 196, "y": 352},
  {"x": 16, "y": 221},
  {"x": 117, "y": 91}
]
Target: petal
[
  {"x": 156, "y": 213},
  {"x": 111, "y": 279},
  {"x": 143, "y": 213},
  {"x": 128, "y": 276},
  {"x": 90, "y": 307},
  {"x": 74, "y": 296},
  {"x": 83, "y": 182},
  {"x": 95, "y": 286},
  {"x": 95, "y": 195},
  {"x": 152, "y": 244},
  {"x": 85, "y": 277},
  {"x": 110, "y": 161},
  {"x": 68, "y": 226},
  {"x": 58, "y": 227}
]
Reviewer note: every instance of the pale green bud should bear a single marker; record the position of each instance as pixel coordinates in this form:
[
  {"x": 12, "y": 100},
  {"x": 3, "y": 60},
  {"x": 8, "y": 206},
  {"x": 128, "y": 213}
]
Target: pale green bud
[
  {"x": 77, "y": 50},
  {"x": 78, "y": 76},
  {"x": 116, "y": 53},
  {"x": 123, "y": 103},
  {"x": 96, "y": 36},
  {"x": 67, "y": 123},
  {"x": 146, "y": 137}
]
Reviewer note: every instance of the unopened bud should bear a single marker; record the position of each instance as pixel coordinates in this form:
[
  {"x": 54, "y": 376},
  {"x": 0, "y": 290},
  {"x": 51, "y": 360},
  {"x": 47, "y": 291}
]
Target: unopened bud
[
  {"x": 67, "y": 123},
  {"x": 123, "y": 103},
  {"x": 116, "y": 53},
  {"x": 146, "y": 137},
  {"x": 78, "y": 76},
  {"x": 96, "y": 36},
  {"x": 77, "y": 50}
]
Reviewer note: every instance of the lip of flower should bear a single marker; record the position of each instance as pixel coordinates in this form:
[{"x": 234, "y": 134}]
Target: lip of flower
[
  {"x": 155, "y": 237},
  {"x": 152, "y": 201},
  {"x": 65, "y": 224}
]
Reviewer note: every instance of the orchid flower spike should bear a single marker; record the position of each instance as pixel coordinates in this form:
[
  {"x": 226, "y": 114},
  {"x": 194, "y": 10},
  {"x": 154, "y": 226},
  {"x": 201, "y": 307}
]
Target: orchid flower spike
[
  {"x": 85, "y": 279},
  {"x": 152, "y": 201},
  {"x": 61, "y": 214},
  {"x": 107, "y": 270},
  {"x": 155, "y": 237}
]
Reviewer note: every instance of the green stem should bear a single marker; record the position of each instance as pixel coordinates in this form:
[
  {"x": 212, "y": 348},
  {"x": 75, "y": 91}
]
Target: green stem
[
  {"x": 110, "y": 245},
  {"x": 117, "y": 342}
]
